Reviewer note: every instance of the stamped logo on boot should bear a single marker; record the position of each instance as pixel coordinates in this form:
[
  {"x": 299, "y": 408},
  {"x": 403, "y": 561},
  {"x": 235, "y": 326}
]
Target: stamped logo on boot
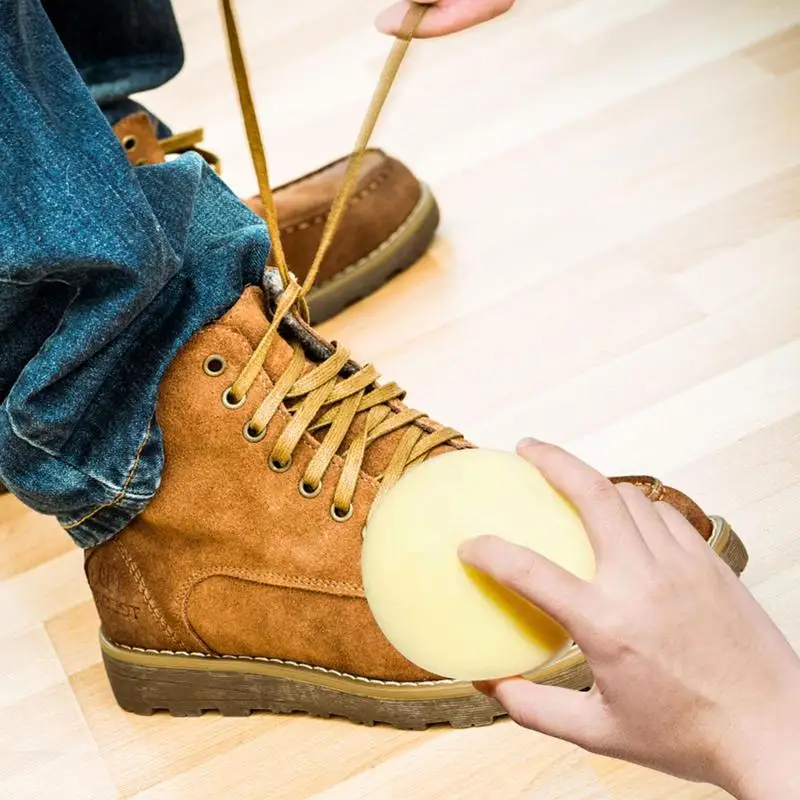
[
  {"x": 107, "y": 584},
  {"x": 108, "y": 603}
]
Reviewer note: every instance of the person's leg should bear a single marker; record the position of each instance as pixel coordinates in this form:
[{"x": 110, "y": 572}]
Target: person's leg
[
  {"x": 119, "y": 47},
  {"x": 105, "y": 271}
]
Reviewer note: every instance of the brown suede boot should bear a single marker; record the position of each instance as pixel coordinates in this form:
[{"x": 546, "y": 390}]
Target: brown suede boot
[
  {"x": 239, "y": 587},
  {"x": 390, "y": 221}
]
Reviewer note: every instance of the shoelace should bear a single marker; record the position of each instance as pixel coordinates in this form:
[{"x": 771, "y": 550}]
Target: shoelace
[
  {"x": 322, "y": 398},
  {"x": 189, "y": 140}
]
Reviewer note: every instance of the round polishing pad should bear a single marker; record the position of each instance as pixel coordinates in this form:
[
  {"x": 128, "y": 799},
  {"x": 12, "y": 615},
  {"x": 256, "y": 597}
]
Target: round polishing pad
[{"x": 454, "y": 620}]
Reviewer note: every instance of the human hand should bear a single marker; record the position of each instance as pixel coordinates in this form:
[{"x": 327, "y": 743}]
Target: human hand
[
  {"x": 691, "y": 676},
  {"x": 446, "y": 16}
]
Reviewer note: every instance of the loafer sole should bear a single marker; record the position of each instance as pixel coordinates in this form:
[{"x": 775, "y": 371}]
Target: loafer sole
[
  {"x": 397, "y": 253},
  {"x": 189, "y": 684}
]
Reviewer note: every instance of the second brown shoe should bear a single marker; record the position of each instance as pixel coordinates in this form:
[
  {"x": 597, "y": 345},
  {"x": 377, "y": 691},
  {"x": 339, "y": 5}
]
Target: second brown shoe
[{"x": 390, "y": 221}]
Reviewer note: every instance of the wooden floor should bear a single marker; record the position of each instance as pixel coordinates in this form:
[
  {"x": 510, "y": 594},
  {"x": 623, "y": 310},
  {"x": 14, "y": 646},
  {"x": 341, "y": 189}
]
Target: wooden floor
[{"x": 618, "y": 270}]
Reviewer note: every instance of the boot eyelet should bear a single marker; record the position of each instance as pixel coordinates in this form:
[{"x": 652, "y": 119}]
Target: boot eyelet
[
  {"x": 228, "y": 402},
  {"x": 341, "y": 516},
  {"x": 276, "y": 465},
  {"x": 214, "y": 365},
  {"x": 129, "y": 142},
  {"x": 253, "y": 436},
  {"x": 309, "y": 492}
]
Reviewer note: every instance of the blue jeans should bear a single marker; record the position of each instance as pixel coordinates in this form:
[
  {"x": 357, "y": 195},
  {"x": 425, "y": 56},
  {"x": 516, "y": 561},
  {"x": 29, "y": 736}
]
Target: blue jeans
[
  {"x": 105, "y": 270},
  {"x": 119, "y": 47}
]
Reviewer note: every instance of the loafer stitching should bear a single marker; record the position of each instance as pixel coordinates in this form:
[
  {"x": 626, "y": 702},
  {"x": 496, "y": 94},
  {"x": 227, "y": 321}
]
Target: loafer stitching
[{"x": 319, "y": 219}]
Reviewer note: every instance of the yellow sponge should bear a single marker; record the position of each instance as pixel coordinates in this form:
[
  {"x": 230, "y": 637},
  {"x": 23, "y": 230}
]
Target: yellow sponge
[{"x": 448, "y": 618}]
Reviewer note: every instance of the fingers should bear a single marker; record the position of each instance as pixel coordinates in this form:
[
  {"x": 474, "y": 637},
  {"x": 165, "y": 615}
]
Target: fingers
[
  {"x": 566, "y": 714},
  {"x": 679, "y": 527},
  {"x": 549, "y": 587},
  {"x": 446, "y": 16},
  {"x": 602, "y": 509},
  {"x": 649, "y": 522}
]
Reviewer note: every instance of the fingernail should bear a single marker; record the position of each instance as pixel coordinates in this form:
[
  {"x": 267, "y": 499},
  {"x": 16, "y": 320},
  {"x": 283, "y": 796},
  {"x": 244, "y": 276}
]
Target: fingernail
[
  {"x": 528, "y": 441},
  {"x": 467, "y": 548},
  {"x": 464, "y": 548}
]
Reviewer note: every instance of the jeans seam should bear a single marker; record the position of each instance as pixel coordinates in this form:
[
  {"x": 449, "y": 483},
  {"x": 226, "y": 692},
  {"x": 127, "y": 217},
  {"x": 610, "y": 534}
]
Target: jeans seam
[
  {"x": 55, "y": 455},
  {"x": 33, "y": 281},
  {"x": 123, "y": 491}
]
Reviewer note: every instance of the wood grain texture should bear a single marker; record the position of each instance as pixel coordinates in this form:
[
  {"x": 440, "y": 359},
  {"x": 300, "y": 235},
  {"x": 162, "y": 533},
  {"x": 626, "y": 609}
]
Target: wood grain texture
[{"x": 617, "y": 270}]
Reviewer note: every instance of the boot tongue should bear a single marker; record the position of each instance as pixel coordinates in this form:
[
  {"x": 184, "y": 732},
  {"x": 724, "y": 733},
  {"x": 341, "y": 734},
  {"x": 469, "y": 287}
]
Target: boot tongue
[
  {"x": 250, "y": 317},
  {"x": 137, "y": 135}
]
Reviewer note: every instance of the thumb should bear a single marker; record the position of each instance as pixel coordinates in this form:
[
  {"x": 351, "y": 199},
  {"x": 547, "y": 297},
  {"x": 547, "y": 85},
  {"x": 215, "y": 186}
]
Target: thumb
[
  {"x": 444, "y": 18},
  {"x": 566, "y": 714}
]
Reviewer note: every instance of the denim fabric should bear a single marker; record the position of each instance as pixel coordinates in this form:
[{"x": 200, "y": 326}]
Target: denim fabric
[
  {"x": 119, "y": 47},
  {"x": 105, "y": 271}
]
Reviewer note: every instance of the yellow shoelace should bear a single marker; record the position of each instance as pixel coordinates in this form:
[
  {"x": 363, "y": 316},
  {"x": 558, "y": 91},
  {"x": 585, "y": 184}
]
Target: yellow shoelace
[
  {"x": 325, "y": 398},
  {"x": 183, "y": 142}
]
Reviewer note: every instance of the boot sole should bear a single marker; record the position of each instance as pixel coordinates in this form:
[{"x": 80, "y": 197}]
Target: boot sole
[
  {"x": 189, "y": 684},
  {"x": 402, "y": 249}
]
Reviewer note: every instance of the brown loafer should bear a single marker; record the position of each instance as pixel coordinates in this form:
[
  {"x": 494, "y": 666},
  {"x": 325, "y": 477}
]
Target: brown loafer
[
  {"x": 390, "y": 221},
  {"x": 239, "y": 588}
]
